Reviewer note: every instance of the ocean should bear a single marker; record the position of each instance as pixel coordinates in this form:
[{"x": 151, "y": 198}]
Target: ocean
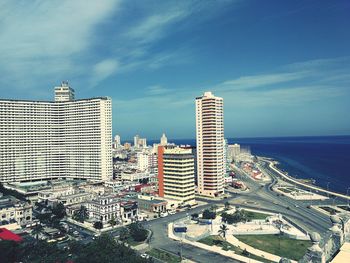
[{"x": 325, "y": 159}]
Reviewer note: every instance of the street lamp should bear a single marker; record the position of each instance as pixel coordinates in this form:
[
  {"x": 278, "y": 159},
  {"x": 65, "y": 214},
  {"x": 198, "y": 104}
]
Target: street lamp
[
  {"x": 335, "y": 197},
  {"x": 328, "y": 188},
  {"x": 296, "y": 178}
]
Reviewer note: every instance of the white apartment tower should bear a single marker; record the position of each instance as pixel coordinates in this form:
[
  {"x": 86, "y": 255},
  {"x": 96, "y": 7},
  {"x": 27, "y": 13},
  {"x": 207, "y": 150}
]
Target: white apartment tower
[
  {"x": 116, "y": 143},
  {"x": 65, "y": 138},
  {"x": 136, "y": 141},
  {"x": 210, "y": 145}
]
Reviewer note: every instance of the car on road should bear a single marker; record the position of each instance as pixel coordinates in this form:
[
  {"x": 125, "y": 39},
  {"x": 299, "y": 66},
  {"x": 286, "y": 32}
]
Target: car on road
[
  {"x": 144, "y": 255},
  {"x": 172, "y": 212},
  {"x": 76, "y": 233},
  {"x": 163, "y": 214}
]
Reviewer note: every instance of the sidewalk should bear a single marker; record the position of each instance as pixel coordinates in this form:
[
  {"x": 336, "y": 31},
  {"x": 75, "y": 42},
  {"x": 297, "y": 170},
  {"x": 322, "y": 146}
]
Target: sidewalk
[{"x": 214, "y": 249}]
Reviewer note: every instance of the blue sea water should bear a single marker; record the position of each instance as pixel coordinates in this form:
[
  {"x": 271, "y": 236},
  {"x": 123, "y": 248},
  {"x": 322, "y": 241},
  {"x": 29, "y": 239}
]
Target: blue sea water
[{"x": 325, "y": 159}]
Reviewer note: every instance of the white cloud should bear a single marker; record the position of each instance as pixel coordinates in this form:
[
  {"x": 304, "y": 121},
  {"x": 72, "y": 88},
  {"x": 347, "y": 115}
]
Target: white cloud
[
  {"x": 252, "y": 81},
  {"x": 47, "y": 38},
  {"x": 103, "y": 70},
  {"x": 152, "y": 27},
  {"x": 157, "y": 90}
]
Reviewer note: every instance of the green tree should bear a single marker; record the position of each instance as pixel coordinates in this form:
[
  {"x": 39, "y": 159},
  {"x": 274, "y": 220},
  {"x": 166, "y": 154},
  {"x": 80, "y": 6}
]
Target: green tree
[
  {"x": 106, "y": 249},
  {"x": 103, "y": 249},
  {"x": 44, "y": 218},
  {"x": 59, "y": 211},
  {"x": 98, "y": 225},
  {"x": 124, "y": 234},
  {"x": 38, "y": 229},
  {"x": 236, "y": 217},
  {"x": 227, "y": 205},
  {"x": 112, "y": 222},
  {"x": 10, "y": 251},
  {"x": 207, "y": 214},
  {"x": 81, "y": 215},
  {"x": 137, "y": 232},
  {"x": 223, "y": 230},
  {"x": 194, "y": 216},
  {"x": 213, "y": 208}
]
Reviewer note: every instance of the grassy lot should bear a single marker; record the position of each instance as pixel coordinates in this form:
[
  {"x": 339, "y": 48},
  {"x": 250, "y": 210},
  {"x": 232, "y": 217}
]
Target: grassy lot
[
  {"x": 164, "y": 256},
  {"x": 219, "y": 241},
  {"x": 281, "y": 246},
  {"x": 254, "y": 215}
]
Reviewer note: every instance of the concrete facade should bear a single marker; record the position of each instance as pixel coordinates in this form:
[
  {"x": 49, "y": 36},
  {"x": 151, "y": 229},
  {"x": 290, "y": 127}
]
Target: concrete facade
[{"x": 67, "y": 138}]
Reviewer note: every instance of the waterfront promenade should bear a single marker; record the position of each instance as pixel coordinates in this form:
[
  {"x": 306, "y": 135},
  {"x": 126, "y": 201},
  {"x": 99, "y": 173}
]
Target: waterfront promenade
[{"x": 291, "y": 179}]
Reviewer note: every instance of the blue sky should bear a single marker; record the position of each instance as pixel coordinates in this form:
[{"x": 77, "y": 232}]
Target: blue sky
[{"x": 282, "y": 67}]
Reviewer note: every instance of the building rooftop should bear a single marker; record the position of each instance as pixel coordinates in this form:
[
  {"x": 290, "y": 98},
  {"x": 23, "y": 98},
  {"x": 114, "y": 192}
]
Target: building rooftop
[
  {"x": 53, "y": 102},
  {"x": 9, "y": 235}
]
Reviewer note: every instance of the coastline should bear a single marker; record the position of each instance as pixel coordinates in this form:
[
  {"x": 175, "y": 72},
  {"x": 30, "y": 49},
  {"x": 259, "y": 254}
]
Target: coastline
[
  {"x": 322, "y": 159},
  {"x": 272, "y": 165}
]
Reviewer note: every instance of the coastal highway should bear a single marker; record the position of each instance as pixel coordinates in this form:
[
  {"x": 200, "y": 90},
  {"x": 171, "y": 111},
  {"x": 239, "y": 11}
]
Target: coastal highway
[
  {"x": 266, "y": 198},
  {"x": 271, "y": 166}
]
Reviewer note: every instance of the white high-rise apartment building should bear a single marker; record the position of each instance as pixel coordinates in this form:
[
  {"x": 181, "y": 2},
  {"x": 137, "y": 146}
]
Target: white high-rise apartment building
[
  {"x": 66, "y": 138},
  {"x": 142, "y": 142},
  {"x": 116, "y": 143},
  {"x": 210, "y": 145},
  {"x": 136, "y": 141},
  {"x": 142, "y": 160}
]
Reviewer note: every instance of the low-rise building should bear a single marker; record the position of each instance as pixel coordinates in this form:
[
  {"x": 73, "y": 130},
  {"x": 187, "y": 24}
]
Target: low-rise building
[
  {"x": 129, "y": 176},
  {"x": 74, "y": 199},
  {"x": 13, "y": 210},
  {"x": 129, "y": 210},
  {"x": 104, "y": 208},
  {"x": 151, "y": 204}
]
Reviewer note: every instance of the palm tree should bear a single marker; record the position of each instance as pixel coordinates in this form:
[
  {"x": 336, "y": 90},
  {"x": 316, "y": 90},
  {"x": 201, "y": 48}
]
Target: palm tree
[
  {"x": 38, "y": 229},
  {"x": 81, "y": 214},
  {"x": 223, "y": 229},
  {"x": 213, "y": 208}
]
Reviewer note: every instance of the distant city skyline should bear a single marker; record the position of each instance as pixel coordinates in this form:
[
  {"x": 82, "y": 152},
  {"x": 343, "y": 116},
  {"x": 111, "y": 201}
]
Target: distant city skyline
[{"x": 282, "y": 68}]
